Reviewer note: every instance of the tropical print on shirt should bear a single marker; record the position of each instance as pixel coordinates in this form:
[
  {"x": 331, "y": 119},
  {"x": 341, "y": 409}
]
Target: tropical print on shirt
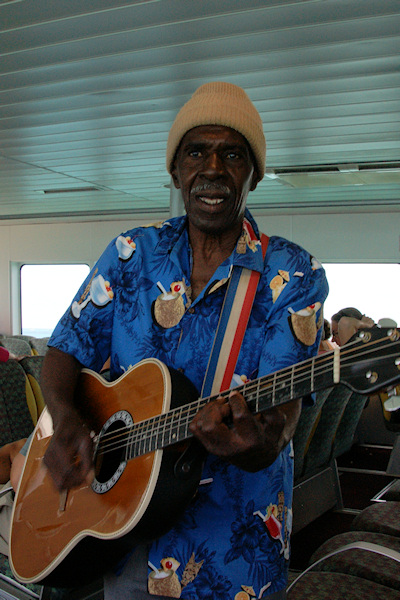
[{"x": 233, "y": 539}]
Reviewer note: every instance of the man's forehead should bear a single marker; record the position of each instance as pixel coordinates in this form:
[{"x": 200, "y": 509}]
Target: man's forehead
[{"x": 204, "y": 133}]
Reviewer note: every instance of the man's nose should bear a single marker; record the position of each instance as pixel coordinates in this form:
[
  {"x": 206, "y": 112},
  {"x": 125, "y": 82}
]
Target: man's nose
[{"x": 213, "y": 165}]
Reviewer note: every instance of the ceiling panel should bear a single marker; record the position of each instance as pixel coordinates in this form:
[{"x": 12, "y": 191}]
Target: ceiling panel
[{"x": 88, "y": 92}]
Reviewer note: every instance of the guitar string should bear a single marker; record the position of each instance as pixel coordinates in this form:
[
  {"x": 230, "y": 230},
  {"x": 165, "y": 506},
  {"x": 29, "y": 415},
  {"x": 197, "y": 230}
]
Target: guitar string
[
  {"x": 142, "y": 426},
  {"x": 159, "y": 423}
]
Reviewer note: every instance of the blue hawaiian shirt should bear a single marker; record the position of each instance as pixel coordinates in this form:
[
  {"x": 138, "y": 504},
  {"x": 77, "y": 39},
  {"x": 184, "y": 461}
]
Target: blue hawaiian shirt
[{"x": 135, "y": 304}]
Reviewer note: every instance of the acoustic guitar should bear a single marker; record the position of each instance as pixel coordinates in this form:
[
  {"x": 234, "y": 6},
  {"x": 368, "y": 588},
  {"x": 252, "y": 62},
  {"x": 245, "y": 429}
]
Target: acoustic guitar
[{"x": 147, "y": 467}]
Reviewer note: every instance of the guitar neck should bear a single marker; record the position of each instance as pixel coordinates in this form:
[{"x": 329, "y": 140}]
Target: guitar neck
[{"x": 260, "y": 394}]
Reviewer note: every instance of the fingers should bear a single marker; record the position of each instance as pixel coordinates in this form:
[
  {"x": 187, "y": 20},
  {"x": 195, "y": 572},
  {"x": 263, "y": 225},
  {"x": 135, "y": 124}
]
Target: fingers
[
  {"x": 226, "y": 427},
  {"x": 210, "y": 420},
  {"x": 69, "y": 458}
]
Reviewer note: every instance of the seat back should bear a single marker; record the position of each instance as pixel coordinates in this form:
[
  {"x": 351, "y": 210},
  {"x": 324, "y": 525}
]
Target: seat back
[
  {"x": 319, "y": 452},
  {"x": 17, "y": 346},
  {"x": 346, "y": 430},
  {"x": 39, "y": 345},
  {"x": 16, "y": 419},
  {"x": 305, "y": 428}
]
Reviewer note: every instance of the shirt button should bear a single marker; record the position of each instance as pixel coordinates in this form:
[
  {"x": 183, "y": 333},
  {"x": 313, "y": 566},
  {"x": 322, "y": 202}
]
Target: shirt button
[{"x": 191, "y": 310}]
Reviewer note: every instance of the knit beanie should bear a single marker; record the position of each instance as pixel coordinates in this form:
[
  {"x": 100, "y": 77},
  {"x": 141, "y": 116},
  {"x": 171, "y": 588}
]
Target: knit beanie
[{"x": 220, "y": 103}]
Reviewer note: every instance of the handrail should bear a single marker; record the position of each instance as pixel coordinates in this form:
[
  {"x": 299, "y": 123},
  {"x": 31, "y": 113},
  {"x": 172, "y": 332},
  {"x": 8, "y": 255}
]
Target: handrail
[{"x": 359, "y": 545}]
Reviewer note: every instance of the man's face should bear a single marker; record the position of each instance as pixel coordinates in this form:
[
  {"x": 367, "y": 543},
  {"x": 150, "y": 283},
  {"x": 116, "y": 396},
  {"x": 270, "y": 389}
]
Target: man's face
[{"x": 214, "y": 170}]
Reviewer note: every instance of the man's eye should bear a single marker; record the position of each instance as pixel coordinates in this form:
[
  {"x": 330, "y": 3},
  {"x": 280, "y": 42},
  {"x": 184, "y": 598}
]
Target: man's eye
[
  {"x": 232, "y": 155},
  {"x": 194, "y": 153}
]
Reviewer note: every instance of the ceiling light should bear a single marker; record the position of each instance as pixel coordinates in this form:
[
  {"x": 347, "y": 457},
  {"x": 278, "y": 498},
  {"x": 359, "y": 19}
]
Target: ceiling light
[
  {"x": 72, "y": 190},
  {"x": 331, "y": 175}
]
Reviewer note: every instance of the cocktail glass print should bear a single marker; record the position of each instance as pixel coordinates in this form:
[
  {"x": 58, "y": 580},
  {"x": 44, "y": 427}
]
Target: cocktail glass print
[
  {"x": 125, "y": 247},
  {"x": 100, "y": 294}
]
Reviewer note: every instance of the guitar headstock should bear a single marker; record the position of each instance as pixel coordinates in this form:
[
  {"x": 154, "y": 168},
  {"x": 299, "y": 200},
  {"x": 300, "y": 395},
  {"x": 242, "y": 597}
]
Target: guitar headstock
[{"x": 370, "y": 361}]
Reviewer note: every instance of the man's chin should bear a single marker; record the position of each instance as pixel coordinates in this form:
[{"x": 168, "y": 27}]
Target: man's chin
[{"x": 215, "y": 225}]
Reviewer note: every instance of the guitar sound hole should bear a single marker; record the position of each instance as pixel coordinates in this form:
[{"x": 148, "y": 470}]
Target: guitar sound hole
[{"x": 110, "y": 455}]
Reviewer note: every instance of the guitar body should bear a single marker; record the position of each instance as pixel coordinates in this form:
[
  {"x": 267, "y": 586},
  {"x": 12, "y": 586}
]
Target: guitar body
[{"x": 72, "y": 539}]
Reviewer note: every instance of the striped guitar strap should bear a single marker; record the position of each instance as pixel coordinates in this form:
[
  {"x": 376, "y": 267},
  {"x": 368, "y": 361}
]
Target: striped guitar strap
[{"x": 232, "y": 324}]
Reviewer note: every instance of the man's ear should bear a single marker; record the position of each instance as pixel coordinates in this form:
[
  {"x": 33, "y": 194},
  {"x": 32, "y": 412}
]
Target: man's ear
[
  {"x": 175, "y": 176},
  {"x": 255, "y": 180}
]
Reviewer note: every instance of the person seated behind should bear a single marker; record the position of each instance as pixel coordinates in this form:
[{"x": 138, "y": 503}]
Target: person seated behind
[
  {"x": 346, "y": 323},
  {"x": 11, "y": 466},
  {"x": 6, "y": 355}
]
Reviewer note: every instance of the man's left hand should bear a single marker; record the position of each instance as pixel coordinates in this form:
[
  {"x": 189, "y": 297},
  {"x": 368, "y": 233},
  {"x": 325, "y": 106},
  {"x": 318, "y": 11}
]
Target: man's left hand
[{"x": 228, "y": 429}]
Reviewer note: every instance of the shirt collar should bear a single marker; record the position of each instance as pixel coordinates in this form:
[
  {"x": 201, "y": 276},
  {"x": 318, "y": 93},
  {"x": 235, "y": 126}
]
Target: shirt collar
[{"x": 248, "y": 251}]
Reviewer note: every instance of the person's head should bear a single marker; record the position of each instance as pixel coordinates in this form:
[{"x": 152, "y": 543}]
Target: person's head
[
  {"x": 351, "y": 312},
  {"x": 216, "y": 155}
]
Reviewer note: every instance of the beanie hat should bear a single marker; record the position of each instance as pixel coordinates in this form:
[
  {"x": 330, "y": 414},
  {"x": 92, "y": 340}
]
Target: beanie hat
[{"x": 220, "y": 103}]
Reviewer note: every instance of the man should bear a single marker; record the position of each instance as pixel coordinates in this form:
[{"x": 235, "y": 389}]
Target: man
[
  {"x": 346, "y": 323},
  {"x": 233, "y": 539}
]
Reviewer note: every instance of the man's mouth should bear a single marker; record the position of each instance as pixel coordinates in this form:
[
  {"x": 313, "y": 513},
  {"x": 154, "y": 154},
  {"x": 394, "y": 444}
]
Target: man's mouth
[
  {"x": 211, "y": 194},
  {"x": 211, "y": 201}
]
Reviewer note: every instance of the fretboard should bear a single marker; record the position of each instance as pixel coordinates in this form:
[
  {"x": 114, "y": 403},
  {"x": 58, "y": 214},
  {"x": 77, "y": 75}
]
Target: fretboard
[{"x": 260, "y": 394}]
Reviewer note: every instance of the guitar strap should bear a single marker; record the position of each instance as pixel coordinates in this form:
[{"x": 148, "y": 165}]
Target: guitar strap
[{"x": 232, "y": 324}]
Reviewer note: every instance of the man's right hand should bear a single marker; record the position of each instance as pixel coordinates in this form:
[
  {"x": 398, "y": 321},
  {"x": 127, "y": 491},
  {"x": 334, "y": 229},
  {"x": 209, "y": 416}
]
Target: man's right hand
[{"x": 69, "y": 456}]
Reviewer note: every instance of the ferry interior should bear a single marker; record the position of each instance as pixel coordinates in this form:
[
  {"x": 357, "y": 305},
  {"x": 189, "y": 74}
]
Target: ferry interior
[{"x": 88, "y": 92}]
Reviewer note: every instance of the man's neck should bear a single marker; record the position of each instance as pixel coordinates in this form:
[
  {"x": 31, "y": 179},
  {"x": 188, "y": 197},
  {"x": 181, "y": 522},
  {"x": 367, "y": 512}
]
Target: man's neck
[{"x": 208, "y": 252}]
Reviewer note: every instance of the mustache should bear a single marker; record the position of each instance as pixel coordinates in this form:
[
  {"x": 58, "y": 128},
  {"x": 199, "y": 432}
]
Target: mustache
[{"x": 211, "y": 187}]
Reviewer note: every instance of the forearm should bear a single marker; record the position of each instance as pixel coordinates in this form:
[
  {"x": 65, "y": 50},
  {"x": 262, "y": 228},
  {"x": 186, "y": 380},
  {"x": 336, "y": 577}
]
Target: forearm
[{"x": 58, "y": 381}]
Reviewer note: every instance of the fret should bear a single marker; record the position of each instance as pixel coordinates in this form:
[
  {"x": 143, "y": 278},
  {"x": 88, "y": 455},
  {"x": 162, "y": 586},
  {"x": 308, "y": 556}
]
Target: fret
[
  {"x": 186, "y": 422},
  {"x": 181, "y": 430},
  {"x": 164, "y": 429},
  {"x": 146, "y": 446},
  {"x": 146, "y": 439},
  {"x": 141, "y": 434},
  {"x": 133, "y": 435},
  {"x": 173, "y": 427},
  {"x": 152, "y": 436},
  {"x": 274, "y": 389},
  {"x": 160, "y": 433},
  {"x": 130, "y": 443}
]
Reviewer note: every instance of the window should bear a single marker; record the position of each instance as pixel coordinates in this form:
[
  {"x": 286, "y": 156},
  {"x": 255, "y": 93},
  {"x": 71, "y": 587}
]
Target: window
[
  {"x": 372, "y": 288},
  {"x": 46, "y": 292}
]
